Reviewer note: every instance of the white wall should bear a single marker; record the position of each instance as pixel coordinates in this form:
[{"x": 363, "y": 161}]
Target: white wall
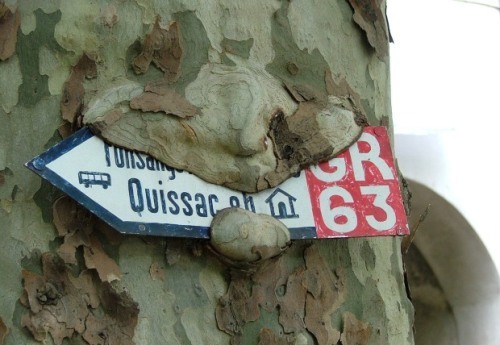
[{"x": 445, "y": 66}]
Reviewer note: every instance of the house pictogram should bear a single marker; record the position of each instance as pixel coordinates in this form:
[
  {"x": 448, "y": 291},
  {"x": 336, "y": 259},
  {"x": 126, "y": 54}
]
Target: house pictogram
[{"x": 281, "y": 204}]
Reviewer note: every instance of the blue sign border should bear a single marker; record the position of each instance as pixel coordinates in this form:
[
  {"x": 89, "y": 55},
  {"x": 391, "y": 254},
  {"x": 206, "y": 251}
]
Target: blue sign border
[{"x": 39, "y": 166}]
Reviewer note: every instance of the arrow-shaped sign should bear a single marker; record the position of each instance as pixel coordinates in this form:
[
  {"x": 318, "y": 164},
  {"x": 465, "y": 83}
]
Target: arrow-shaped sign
[{"x": 355, "y": 194}]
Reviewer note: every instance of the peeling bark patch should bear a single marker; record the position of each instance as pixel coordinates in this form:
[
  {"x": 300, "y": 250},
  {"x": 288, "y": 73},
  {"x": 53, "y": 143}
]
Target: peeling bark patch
[
  {"x": 370, "y": 18},
  {"x": 325, "y": 295},
  {"x": 246, "y": 238},
  {"x": 268, "y": 280},
  {"x": 76, "y": 225},
  {"x": 69, "y": 217},
  {"x": 163, "y": 48},
  {"x": 314, "y": 133},
  {"x": 241, "y": 302},
  {"x": 295, "y": 137},
  {"x": 305, "y": 297},
  {"x": 73, "y": 91},
  {"x": 9, "y": 24},
  {"x": 302, "y": 93},
  {"x": 267, "y": 337},
  {"x": 56, "y": 303},
  {"x": 3, "y": 331},
  {"x": 107, "y": 119},
  {"x": 236, "y": 307},
  {"x": 61, "y": 305},
  {"x": 407, "y": 193},
  {"x": 96, "y": 258},
  {"x": 65, "y": 130},
  {"x": 355, "y": 332},
  {"x": 158, "y": 97},
  {"x": 293, "y": 303},
  {"x": 344, "y": 90},
  {"x": 117, "y": 327}
]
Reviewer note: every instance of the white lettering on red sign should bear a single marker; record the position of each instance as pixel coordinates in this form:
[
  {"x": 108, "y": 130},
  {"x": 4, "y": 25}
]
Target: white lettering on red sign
[{"x": 357, "y": 193}]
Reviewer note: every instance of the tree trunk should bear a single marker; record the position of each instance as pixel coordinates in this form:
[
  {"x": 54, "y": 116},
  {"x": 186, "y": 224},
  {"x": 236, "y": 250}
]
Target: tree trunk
[{"x": 66, "y": 275}]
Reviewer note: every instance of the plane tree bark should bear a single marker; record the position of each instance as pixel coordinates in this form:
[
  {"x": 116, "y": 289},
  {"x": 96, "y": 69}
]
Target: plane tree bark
[{"x": 69, "y": 278}]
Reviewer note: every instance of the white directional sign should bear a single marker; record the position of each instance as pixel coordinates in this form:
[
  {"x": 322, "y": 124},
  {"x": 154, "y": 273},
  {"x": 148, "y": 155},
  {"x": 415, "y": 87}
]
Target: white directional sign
[{"x": 355, "y": 194}]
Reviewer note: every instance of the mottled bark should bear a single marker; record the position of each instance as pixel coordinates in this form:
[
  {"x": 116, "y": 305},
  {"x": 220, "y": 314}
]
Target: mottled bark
[{"x": 71, "y": 56}]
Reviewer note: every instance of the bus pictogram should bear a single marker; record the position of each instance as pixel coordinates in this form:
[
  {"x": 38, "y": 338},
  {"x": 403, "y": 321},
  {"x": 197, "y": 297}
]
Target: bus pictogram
[{"x": 93, "y": 178}]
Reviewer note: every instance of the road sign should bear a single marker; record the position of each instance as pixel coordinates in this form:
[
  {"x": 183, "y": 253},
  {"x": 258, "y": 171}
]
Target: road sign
[{"x": 355, "y": 194}]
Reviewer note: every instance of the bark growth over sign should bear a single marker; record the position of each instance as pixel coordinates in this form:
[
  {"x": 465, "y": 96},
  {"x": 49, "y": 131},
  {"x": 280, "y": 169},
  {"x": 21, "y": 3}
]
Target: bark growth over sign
[
  {"x": 242, "y": 125},
  {"x": 247, "y": 238},
  {"x": 159, "y": 97}
]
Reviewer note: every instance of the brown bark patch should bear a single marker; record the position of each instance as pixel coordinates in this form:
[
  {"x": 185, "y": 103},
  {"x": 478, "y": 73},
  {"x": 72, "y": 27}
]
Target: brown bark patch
[
  {"x": 96, "y": 258},
  {"x": 370, "y": 18},
  {"x": 302, "y": 93},
  {"x": 344, "y": 90},
  {"x": 61, "y": 305},
  {"x": 76, "y": 225},
  {"x": 267, "y": 337},
  {"x": 56, "y": 303},
  {"x": 64, "y": 303},
  {"x": 325, "y": 295},
  {"x": 237, "y": 307},
  {"x": 107, "y": 119},
  {"x": 297, "y": 142},
  {"x": 292, "y": 303},
  {"x": 163, "y": 48},
  {"x": 65, "y": 129},
  {"x": 355, "y": 332},
  {"x": 118, "y": 325},
  {"x": 9, "y": 24},
  {"x": 267, "y": 280},
  {"x": 305, "y": 298},
  {"x": 158, "y": 97},
  {"x": 72, "y": 241},
  {"x": 3, "y": 331},
  {"x": 70, "y": 217},
  {"x": 73, "y": 91}
]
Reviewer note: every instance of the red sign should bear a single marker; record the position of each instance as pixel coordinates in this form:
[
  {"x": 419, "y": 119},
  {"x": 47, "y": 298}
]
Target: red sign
[{"x": 357, "y": 193}]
